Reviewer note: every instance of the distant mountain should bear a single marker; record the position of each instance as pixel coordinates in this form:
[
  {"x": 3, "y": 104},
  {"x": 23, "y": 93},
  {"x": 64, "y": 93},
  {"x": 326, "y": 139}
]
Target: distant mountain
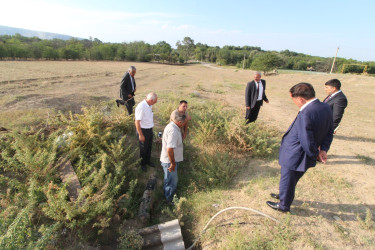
[{"x": 5, "y": 30}]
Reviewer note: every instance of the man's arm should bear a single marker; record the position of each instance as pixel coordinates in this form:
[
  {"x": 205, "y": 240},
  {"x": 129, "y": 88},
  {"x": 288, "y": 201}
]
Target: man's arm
[
  {"x": 248, "y": 95},
  {"x": 306, "y": 135},
  {"x": 185, "y": 130},
  {"x": 264, "y": 92},
  {"x": 170, "y": 153},
  {"x": 139, "y": 130}
]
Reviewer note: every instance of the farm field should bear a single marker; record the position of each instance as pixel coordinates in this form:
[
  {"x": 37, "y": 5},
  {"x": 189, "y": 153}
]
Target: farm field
[{"x": 332, "y": 200}]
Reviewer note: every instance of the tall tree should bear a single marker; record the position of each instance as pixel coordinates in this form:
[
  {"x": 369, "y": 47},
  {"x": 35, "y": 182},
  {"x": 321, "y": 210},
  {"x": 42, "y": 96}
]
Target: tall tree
[
  {"x": 266, "y": 62},
  {"x": 186, "y": 47}
]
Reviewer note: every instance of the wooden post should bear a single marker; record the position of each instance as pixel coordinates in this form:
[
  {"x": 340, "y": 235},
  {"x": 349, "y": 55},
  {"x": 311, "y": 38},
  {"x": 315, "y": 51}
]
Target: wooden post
[{"x": 333, "y": 63}]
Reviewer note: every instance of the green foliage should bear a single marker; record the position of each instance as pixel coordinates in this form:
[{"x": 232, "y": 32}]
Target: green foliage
[
  {"x": 358, "y": 69},
  {"x": 368, "y": 222},
  {"x": 214, "y": 170},
  {"x": 257, "y": 138},
  {"x": 185, "y": 48},
  {"x": 266, "y": 62},
  {"x": 248, "y": 57},
  {"x": 34, "y": 202},
  {"x": 216, "y": 136},
  {"x": 130, "y": 240}
]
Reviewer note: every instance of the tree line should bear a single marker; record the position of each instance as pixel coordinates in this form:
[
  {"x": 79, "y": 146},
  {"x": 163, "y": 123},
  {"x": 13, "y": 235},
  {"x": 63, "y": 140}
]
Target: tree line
[{"x": 247, "y": 57}]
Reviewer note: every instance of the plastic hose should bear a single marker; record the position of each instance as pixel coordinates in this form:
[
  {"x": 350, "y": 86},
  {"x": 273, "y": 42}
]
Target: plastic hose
[{"x": 226, "y": 209}]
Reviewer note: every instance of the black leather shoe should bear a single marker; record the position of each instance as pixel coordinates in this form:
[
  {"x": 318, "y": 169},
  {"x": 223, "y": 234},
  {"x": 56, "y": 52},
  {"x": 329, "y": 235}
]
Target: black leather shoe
[
  {"x": 144, "y": 168},
  {"x": 151, "y": 164},
  {"x": 118, "y": 104},
  {"x": 276, "y": 206},
  {"x": 275, "y": 196}
]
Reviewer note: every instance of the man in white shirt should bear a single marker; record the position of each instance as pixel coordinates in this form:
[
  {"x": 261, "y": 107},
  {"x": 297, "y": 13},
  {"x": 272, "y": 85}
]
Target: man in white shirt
[
  {"x": 255, "y": 94},
  {"x": 172, "y": 155},
  {"x": 144, "y": 122}
]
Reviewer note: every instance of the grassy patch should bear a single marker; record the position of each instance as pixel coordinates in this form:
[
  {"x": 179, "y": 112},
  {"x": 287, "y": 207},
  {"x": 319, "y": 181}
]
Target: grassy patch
[
  {"x": 17, "y": 119},
  {"x": 236, "y": 86},
  {"x": 367, "y": 222},
  {"x": 213, "y": 153}
]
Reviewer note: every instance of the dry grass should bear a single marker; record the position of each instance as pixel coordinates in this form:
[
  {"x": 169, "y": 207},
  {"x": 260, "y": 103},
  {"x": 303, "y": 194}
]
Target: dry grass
[{"x": 332, "y": 200}]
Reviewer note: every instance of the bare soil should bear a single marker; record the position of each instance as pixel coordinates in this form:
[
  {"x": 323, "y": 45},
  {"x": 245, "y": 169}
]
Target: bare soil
[{"x": 328, "y": 198}]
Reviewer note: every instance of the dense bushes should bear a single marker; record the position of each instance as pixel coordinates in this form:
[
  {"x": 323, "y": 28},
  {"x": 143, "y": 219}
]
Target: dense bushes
[
  {"x": 35, "y": 210},
  {"x": 217, "y": 138}
]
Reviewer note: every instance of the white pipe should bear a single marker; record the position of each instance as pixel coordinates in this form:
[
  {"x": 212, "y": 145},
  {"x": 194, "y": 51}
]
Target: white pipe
[{"x": 226, "y": 209}]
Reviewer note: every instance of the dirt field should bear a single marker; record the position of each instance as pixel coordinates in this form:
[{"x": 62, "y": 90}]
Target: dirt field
[{"x": 29, "y": 89}]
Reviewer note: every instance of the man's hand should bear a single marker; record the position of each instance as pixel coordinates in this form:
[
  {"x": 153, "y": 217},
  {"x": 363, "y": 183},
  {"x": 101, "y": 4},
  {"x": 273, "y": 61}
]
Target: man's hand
[
  {"x": 267, "y": 101},
  {"x": 184, "y": 136},
  {"x": 247, "y": 107},
  {"x": 322, "y": 157},
  {"x": 130, "y": 96},
  {"x": 141, "y": 138},
  {"x": 172, "y": 167}
]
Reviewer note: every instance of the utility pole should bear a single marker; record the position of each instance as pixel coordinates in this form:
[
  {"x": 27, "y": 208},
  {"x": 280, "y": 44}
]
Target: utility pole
[{"x": 333, "y": 63}]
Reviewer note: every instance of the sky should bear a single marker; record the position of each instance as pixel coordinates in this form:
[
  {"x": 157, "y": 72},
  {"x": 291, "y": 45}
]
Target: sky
[{"x": 316, "y": 27}]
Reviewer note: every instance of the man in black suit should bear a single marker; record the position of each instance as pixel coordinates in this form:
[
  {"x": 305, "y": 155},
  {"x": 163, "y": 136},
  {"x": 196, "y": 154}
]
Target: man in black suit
[
  {"x": 336, "y": 100},
  {"x": 127, "y": 89},
  {"x": 254, "y": 96},
  {"x": 307, "y": 140}
]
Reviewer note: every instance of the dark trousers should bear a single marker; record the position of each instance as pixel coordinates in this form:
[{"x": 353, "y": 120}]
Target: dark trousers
[
  {"x": 129, "y": 105},
  {"x": 252, "y": 114},
  {"x": 287, "y": 187},
  {"x": 146, "y": 146}
]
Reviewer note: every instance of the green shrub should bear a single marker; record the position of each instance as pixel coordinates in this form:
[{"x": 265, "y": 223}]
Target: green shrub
[
  {"x": 217, "y": 137},
  {"x": 104, "y": 159},
  {"x": 257, "y": 138},
  {"x": 217, "y": 169}
]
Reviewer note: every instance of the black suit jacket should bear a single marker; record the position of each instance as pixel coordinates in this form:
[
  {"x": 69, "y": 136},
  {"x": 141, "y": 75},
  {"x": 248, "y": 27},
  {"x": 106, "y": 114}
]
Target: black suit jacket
[
  {"x": 126, "y": 87},
  {"x": 251, "y": 93},
  {"x": 338, "y": 104}
]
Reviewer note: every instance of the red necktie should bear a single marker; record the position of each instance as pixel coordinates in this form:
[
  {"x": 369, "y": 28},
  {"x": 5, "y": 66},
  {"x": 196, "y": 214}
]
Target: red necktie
[{"x": 327, "y": 99}]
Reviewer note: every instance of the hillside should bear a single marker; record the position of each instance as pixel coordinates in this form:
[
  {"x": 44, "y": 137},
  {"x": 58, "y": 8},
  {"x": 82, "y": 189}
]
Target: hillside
[{"x": 11, "y": 31}]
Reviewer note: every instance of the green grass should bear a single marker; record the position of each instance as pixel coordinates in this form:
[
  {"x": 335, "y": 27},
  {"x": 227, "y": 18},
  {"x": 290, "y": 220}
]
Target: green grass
[
  {"x": 21, "y": 119},
  {"x": 236, "y": 86}
]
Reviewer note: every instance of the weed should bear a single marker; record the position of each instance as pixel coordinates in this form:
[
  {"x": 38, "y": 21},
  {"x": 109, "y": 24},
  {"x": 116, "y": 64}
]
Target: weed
[
  {"x": 344, "y": 234},
  {"x": 368, "y": 222},
  {"x": 130, "y": 240}
]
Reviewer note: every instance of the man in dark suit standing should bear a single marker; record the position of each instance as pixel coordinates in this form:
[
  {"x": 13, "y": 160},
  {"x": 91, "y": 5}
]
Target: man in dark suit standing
[
  {"x": 306, "y": 141},
  {"x": 336, "y": 100},
  {"x": 127, "y": 89},
  {"x": 254, "y": 96}
]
